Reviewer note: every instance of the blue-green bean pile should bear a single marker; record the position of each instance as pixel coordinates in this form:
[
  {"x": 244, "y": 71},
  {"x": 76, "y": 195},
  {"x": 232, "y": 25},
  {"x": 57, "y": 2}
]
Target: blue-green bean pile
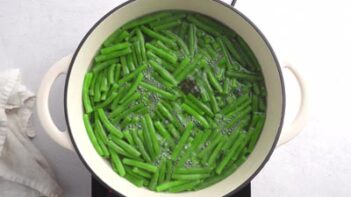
[{"x": 175, "y": 101}]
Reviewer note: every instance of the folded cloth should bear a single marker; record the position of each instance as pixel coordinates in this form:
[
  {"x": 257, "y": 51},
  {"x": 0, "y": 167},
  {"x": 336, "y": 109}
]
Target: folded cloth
[{"x": 23, "y": 169}]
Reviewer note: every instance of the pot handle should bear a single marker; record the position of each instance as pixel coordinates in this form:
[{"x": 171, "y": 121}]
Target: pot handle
[
  {"x": 301, "y": 117},
  {"x": 60, "y": 137},
  {"x": 233, "y": 3}
]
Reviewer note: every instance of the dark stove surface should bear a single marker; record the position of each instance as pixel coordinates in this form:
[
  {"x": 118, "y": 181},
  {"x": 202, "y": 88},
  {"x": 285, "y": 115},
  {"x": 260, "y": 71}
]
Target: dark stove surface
[{"x": 99, "y": 190}]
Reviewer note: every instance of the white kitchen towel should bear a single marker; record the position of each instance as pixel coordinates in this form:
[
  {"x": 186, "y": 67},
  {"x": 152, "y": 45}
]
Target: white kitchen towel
[{"x": 23, "y": 169}]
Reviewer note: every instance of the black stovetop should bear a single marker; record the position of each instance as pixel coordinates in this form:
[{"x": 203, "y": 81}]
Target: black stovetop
[{"x": 99, "y": 190}]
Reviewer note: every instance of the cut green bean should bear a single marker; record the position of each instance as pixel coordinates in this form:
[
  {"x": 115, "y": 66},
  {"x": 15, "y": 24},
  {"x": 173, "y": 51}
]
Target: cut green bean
[
  {"x": 157, "y": 36},
  {"x": 140, "y": 146},
  {"x": 163, "y": 54},
  {"x": 182, "y": 141},
  {"x": 116, "y": 47},
  {"x": 163, "y": 72},
  {"x": 141, "y": 173},
  {"x": 91, "y": 134},
  {"x": 197, "y": 116},
  {"x": 118, "y": 163},
  {"x": 168, "y": 185},
  {"x": 152, "y": 132},
  {"x": 109, "y": 126},
  {"x": 158, "y": 91},
  {"x": 113, "y": 55},
  {"x": 141, "y": 165},
  {"x": 86, "y": 100}
]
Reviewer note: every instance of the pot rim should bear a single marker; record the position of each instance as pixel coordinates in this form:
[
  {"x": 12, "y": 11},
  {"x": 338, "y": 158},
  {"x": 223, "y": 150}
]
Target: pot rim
[{"x": 243, "y": 17}]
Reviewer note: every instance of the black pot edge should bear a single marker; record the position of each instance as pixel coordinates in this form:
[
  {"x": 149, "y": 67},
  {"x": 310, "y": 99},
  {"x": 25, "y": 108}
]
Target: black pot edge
[{"x": 224, "y": 4}]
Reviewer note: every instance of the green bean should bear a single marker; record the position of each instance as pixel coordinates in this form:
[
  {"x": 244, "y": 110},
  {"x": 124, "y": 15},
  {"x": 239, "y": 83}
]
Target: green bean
[
  {"x": 216, "y": 152},
  {"x": 184, "y": 64},
  {"x": 189, "y": 69},
  {"x": 196, "y": 115},
  {"x": 131, "y": 65},
  {"x": 240, "y": 115},
  {"x": 168, "y": 185},
  {"x": 234, "y": 105},
  {"x": 157, "y": 36},
  {"x": 193, "y": 146},
  {"x": 214, "y": 82},
  {"x": 137, "y": 50},
  {"x": 189, "y": 176},
  {"x": 86, "y": 100},
  {"x": 165, "y": 112},
  {"x": 226, "y": 87},
  {"x": 147, "y": 138},
  {"x": 141, "y": 39},
  {"x": 158, "y": 91},
  {"x": 167, "y": 26},
  {"x": 224, "y": 51},
  {"x": 225, "y": 174},
  {"x": 132, "y": 98},
  {"x": 97, "y": 91},
  {"x": 162, "y": 81},
  {"x": 116, "y": 37},
  {"x": 129, "y": 138},
  {"x": 130, "y": 110},
  {"x": 152, "y": 132},
  {"x": 256, "y": 133},
  {"x": 104, "y": 84},
  {"x": 128, "y": 148},
  {"x": 107, "y": 101},
  {"x": 146, "y": 20},
  {"x": 192, "y": 40},
  {"x": 246, "y": 76},
  {"x": 248, "y": 52},
  {"x": 173, "y": 131},
  {"x": 133, "y": 74},
  {"x": 140, "y": 146},
  {"x": 179, "y": 40},
  {"x": 194, "y": 107},
  {"x": 213, "y": 102},
  {"x": 205, "y": 170},
  {"x": 100, "y": 130},
  {"x": 91, "y": 134},
  {"x": 232, "y": 49},
  {"x": 166, "y": 20},
  {"x": 113, "y": 146},
  {"x": 141, "y": 173},
  {"x": 182, "y": 141},
  {"x": 163, "y": 54},
  {"x": 114, "y": 48},
  {"x": 215, "y": 140},
  {"x": 203, "y": 26},
  {"x": 105, "y": 152},
  {"x": 200, "y": 104},
  {"x": 103, "y": 65},
  {"x": 113, "y": 55},
  {"x": 229, "y": 155},
  {"x": 164, "y": 133},
  {"x": 117, "y": 72},
  {"x": 163, "y": 72},
  {"x": 183, "y": 30},
  {"x": 185, "y": 186},
  {"x": 134, "y": 180},
  {"x": 108, "y": 125},
  {"x": 162, "y": 172},
  {"x": 117, "y": 161},
  {"x": 211, "y": 51},
  {"x": 169, "y": 170},
  {"x": 238, "y": 108},
  {"x": 141, "y": 165},
  {"x": 262, "y": 105},
  {"x": 153, "y": 181},
  {"x": 133, "y": 88}
]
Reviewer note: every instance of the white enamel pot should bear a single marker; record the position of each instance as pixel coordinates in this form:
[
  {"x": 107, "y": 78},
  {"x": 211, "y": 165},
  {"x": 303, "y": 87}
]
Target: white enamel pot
[{"x": 76, "y": 66}]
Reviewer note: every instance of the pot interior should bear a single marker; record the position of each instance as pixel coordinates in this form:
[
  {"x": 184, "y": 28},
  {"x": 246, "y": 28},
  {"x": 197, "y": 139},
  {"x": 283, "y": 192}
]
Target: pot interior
[{"x": 135, "y": 9}]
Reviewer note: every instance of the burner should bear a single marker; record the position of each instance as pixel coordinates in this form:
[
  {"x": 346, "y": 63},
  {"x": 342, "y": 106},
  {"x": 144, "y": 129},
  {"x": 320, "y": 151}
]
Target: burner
[{"x": 98, "y": 190}]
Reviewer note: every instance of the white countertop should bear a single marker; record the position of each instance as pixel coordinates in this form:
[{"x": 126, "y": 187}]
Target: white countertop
[{"x": 315, "y": 34}]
